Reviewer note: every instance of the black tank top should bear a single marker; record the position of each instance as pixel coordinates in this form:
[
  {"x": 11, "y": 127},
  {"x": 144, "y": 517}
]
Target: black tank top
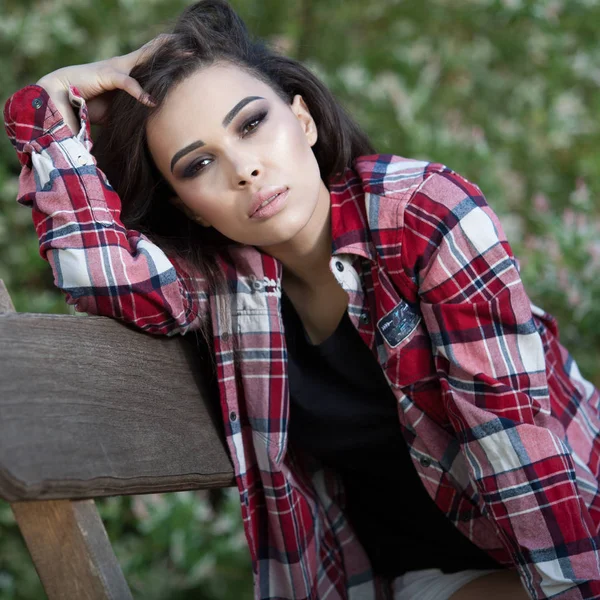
[{"x": 343, "y": 413}]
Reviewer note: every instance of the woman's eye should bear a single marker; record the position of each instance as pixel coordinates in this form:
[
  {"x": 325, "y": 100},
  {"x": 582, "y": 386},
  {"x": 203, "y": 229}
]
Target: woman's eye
[
  {"x": 246, "y": 129},
  {"x": 250, "y": 126},
  {"x": 196, "y": 167}
]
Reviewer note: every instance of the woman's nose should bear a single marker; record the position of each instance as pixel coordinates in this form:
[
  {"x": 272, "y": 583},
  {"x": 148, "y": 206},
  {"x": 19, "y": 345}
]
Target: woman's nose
[
  {"x": 247, "y": 176},
  {"x": 245, "y": 170}
]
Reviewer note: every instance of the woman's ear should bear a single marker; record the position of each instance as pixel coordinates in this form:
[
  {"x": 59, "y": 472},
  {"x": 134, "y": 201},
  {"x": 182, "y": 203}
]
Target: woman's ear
[
  {"x": 178, "y": 202},
  {"x": 309, "y": 126}
]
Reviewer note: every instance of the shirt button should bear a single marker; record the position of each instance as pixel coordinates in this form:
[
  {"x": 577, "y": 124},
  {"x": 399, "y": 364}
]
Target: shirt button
[
  {"x": 81, "y": 160},
  {"x": 425, "y": 462},
  {"x": 339, "y": 266},
  {"x": 364, "y": 318},
  {"x": 225, "y": 336},
  {"x": 232, "y": 415},
  {"x": 37, "y": 103}
]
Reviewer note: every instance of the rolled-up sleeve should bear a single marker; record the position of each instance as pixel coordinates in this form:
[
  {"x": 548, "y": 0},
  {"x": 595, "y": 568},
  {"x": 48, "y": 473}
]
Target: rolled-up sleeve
[{"x": 102, "y": 267}]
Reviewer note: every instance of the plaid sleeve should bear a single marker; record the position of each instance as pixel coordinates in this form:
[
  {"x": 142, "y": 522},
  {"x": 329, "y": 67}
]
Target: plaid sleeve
[
  {"x": 102, "y": 267},
  {"x": 491, "y": 364}
]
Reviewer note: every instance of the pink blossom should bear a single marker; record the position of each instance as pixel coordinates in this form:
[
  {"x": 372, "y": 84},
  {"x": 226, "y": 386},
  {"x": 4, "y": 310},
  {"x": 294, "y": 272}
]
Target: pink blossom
[
  {"x": 568, "y": 218},
  {"x": 477, "y": 134},
  {"x": 552, "y": 249},
  {"x": 593, "y": 250},
  {"x": 540, "y": 202},
  {"x": 563, "y": 278},
  {"x": 581, "y": 194},
  {"x": 573, "y": 296}
]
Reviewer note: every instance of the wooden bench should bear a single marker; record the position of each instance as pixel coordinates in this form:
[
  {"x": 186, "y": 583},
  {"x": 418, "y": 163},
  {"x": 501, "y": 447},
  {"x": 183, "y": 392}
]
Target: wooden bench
[{"x": 90, "y": 407}]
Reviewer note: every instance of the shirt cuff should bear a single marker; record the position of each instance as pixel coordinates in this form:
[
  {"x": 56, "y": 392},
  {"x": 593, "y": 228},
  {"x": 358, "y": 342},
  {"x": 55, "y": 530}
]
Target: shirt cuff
[{"x": 30, "y": 114}]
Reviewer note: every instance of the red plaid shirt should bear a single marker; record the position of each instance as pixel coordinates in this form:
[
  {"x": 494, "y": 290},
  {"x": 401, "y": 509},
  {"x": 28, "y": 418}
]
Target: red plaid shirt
[{"x": 502, "y": 428}]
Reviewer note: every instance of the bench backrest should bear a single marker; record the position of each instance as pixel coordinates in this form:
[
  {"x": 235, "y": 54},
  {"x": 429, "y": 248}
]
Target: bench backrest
[{"x": 90, "y": 407}]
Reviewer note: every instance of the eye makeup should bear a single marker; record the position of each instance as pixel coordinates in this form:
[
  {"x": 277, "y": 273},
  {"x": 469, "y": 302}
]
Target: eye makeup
[
  {"x": 259, "y": 119},
  {"x": 247, "y": 128},
  {"x": 229, "y": 117}
]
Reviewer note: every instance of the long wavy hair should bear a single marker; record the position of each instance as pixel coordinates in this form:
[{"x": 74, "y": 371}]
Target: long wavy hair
[{"x": 206, "y": 33}]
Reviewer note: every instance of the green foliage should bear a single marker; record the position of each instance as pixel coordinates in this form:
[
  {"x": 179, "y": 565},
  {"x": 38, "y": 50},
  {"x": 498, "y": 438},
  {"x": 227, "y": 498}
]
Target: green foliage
[
  {"x": 502, "y": 91},
  {"x": 170, "y": 546},
  {"x": 178, "y": 546},
  {"x": 18, "y": 579}
]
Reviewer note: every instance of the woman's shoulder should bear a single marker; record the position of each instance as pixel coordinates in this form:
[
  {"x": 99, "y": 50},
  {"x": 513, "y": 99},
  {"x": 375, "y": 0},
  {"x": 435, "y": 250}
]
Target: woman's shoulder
[
  {"x": 414, "y": 181},
  {"x": 394, "y": 175}
]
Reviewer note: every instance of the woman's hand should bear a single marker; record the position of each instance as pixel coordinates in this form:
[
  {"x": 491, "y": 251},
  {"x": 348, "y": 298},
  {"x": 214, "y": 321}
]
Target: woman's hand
[{"x": 95, "y": 81}]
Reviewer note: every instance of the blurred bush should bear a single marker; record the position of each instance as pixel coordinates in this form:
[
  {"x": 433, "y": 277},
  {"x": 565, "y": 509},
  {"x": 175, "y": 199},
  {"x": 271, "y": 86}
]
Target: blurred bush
[
  {"x": 503, "y": 91},
  {"x": 170, "y": 546}
]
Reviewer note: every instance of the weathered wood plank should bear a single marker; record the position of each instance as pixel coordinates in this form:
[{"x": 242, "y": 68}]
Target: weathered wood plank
[
  {"x": 67, "y": 540},
  {"x": 90, "y": 407},
  {"x": 71, "y": 550}
]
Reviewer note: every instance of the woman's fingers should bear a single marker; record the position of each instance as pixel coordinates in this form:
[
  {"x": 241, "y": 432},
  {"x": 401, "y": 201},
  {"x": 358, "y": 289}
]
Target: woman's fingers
[
  {"x": 130, "y": 85},
  {"x": 94, "y": 80}
]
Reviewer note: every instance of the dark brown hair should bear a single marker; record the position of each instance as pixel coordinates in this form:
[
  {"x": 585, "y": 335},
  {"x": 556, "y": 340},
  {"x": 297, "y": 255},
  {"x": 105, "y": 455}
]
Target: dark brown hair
[{"x": 206, "y": 33}]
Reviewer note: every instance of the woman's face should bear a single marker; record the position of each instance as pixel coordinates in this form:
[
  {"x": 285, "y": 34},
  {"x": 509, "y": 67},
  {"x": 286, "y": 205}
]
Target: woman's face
[{"x": 238, "y": 157}]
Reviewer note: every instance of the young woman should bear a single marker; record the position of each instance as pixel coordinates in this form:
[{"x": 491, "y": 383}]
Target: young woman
[{"x": 402, "y": 421}]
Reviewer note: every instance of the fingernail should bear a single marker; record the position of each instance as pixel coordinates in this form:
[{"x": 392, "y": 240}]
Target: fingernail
[{"x": 148, "y": 99}]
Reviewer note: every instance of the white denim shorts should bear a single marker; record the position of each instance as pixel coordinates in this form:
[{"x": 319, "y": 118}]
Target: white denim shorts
[{"x": 433, "y": 584}]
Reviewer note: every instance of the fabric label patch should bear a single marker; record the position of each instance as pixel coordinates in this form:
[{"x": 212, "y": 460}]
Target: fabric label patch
[{"x": 399, "y": 323}]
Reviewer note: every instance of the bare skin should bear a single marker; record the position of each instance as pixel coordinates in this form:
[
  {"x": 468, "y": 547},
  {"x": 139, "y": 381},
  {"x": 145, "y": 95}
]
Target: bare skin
[
  {"x": 319, "y": 324},
  {"x": 216, "y": 180}
]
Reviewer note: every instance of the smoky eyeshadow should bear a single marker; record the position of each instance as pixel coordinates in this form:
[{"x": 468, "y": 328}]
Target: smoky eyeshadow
[{"x": 260, "y": 115}]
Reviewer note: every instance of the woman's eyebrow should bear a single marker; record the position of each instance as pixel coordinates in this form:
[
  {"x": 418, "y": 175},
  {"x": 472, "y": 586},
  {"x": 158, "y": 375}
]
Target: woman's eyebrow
[
  {"x": 236, "y": 109},
  {"x": 179, "y": 154},
  {"x": 228, "y": 118}
]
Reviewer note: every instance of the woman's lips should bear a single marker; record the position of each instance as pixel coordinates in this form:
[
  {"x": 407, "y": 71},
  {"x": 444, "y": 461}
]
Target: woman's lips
[{"x": 272, "y": 207}]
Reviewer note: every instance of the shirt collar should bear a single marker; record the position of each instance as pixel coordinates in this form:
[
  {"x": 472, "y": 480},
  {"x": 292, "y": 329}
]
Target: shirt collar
[{"x": 350, "y": 231}]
